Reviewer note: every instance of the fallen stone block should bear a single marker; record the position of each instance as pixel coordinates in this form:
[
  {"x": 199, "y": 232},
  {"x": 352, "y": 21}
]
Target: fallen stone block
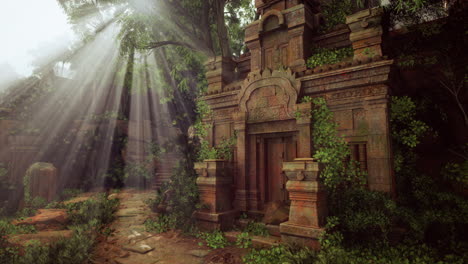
[
  {"x": 140, "y": 248},
  {"x": 46, "y": 219},
  {"x": 44, "y": 237}
]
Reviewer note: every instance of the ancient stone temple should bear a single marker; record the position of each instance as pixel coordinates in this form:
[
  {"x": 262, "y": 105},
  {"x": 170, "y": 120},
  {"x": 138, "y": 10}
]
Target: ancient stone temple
[{"x": 254, "y": 98}]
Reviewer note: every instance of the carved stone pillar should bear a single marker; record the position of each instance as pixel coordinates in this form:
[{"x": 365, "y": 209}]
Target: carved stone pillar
[
  {"x": 308, "y": 203},
  {"x": 214, "y": 184},
  {"x": 241, "y": 195},
  {"x": 304, "y": 124},
  {"x": 220, "y": 71},
  {"x": 366, "y": 32}
]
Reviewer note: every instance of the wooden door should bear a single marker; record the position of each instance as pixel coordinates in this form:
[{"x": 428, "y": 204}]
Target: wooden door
[{"x": 277, "y": 150}]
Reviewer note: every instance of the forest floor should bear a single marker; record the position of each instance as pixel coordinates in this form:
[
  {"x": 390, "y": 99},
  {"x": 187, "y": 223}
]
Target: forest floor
[{"x": 129, "y": 243}]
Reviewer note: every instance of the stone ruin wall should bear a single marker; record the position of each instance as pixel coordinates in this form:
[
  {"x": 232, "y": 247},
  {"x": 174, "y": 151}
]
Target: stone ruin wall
[{"x": 357, "y": 90}]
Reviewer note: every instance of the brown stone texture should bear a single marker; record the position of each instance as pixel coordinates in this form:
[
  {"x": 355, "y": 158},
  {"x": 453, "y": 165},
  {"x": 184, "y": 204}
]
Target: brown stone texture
[
  {"x": 308, "y": 203},
  {"x": 214, "y": 184},
  {"x": 276, "y": 213},
  {"x": 262, "y": 107},
  {"x": 366, "y": 33},
  {"x": 44, "y": 237},
  {"x": 43, "y": 180}
]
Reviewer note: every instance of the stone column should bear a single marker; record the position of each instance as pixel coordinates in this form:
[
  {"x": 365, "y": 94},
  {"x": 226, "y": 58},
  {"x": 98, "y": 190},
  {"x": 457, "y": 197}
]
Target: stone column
[
  {"x": 304, "y": 124},
  {"x": 366, "y": 32},
  {"x": 296, "y": 49},
  {"x": 308, "y": 204},
  {"x": 241, "y": 194},
  {"x": 24, "y": 151},
  {"x": 220, "y": 71},
  {"x": 214, "y": 184}
]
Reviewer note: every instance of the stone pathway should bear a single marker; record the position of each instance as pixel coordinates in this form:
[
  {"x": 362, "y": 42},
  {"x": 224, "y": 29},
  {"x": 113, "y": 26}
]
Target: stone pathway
[{"x": 130, "y": 244}]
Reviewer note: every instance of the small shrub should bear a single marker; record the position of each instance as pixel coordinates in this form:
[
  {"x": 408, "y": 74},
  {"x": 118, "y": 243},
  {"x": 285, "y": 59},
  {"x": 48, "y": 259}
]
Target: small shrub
[
  {"x": 279, "y": 255},
  {"x": 99, "y": 209},
  {"x": 162, "y": 224},
  {"x": 324, "y": 56},
  {"x": 224, "y": 150},
  {"x": 244, "y": 240},
  {"x": 334, "y": 13},
  {"x": 364, "y": 216},
  {"x": 456, "y": 172},
  {"x": 182, "y": 195},
  {"x": 256, "y": 229},
  {"x": 215, "y": 239},
  {"x": 406, "y": 129},
  {"x": 6, "y": 228}
]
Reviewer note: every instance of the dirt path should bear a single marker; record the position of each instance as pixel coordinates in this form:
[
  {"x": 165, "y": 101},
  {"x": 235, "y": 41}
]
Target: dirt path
[{"x": 130, "y": 244}]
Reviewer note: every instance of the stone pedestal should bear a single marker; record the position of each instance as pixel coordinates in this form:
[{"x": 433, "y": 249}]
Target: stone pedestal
[
  {"x": 41, "y": 179},
  {"x": 366, "y": 33},
  {"x": 308, "y": 204},
  {"x": 214, "y": 183}
]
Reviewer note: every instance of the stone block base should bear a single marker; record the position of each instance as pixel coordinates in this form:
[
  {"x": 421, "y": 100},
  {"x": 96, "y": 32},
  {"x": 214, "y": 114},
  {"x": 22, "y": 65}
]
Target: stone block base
[
  {"x": 211, "y": 221},
  {"x": 300, "y": 235}
]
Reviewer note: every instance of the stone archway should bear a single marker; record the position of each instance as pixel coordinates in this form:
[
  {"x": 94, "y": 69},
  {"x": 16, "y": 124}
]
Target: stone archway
[{"x": 269, "y": 96}]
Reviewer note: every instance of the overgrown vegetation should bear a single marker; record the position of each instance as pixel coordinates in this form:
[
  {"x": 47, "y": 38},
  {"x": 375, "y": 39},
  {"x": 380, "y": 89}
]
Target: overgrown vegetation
[
  {"x": 339, "y": 172},
  {"x": 363, "y": 223},
  {"x": 161, "y": 224},
  {"x": 334, "y": 13},
  {"x": 323, "y": 56},
  {"x": 215, "y": 239},
  {"x": 87, "y": 220},
  {"x": 256, "y": 229}
]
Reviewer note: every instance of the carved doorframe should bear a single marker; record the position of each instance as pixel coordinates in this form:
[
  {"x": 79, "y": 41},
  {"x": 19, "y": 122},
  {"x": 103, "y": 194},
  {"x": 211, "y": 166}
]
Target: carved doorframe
[{"x": 267, "y": 103}]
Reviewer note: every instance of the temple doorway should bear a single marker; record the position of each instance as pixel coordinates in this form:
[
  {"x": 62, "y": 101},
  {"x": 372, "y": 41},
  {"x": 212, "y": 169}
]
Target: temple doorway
[{"x": 278, "y": 148}]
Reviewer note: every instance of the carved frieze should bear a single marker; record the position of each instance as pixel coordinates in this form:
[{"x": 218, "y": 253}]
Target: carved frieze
[
  {"x": 268, "y": 96},
  {"x": 358, "y": 92}
]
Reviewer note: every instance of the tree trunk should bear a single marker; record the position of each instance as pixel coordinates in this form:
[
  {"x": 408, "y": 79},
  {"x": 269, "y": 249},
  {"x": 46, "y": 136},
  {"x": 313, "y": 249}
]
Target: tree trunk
[
  {"x": 205, "y": 26},
  {"x": 221, "y": 28}
]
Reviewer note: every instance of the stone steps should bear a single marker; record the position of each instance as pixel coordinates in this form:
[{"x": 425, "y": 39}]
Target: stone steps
[
  {"x": 165, "y": 169},
  {"x": 272, "y": 229}
]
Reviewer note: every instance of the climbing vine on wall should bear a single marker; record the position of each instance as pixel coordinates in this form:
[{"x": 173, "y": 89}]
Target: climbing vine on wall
[{"x": 332, "y": 150}]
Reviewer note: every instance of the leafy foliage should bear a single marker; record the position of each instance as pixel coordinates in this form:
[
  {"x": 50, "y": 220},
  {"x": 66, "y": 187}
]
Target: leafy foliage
[
  {"x": 256, "y": 229},
  {"x": 323, "y": 56},
  {"x": 244, "y": 240},
  {"x": 334, "y": 13},
  {"x": 6, "y": 228},
  {"x": 332, "y": 151},
  {"x": 99, "y": 210},
  {"x": 363, "y": 216},
  {"x": 279, "y": 255},
  {"x": 74, "y": 250},
  {"x": 456, "y": 172},
  {"x": 86, "y": 219},
  {"x": 224, "y": 150},
  {"x": 161, "y": 224},
  {"x": 238, "y": 15},
  {"x": 181, "y": 196},
  {"x": 430, "y": 213},
  {"x": 215, "y": 239},
  {"x": 406, "y": 129}
]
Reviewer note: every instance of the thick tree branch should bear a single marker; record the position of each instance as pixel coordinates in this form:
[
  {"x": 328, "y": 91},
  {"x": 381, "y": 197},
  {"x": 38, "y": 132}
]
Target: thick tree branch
[{"x": 155, "y": 45}]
